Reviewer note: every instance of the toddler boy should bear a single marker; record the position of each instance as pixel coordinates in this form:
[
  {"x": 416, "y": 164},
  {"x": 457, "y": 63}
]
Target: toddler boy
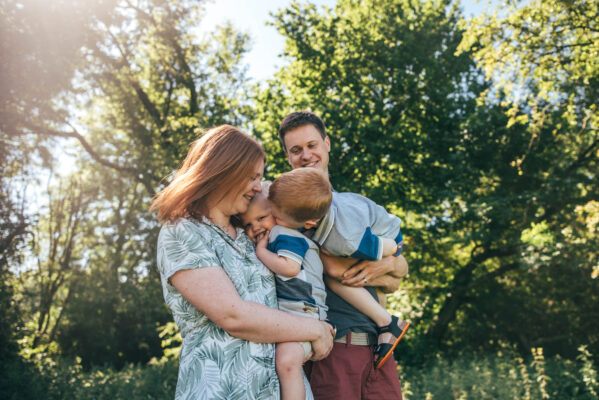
[{"x": 297, "y": 266}]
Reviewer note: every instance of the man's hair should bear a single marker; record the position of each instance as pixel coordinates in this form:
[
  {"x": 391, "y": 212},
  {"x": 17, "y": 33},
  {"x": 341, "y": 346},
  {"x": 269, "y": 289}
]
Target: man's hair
[
  {"x": 299, "y": 119},
  {"x": 216, "y": 166},
  {"x": 303, "y": 194}
]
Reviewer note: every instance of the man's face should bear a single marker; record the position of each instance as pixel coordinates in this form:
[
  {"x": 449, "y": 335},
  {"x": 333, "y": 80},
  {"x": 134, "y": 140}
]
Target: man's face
[{"x": 306, "y": 148}]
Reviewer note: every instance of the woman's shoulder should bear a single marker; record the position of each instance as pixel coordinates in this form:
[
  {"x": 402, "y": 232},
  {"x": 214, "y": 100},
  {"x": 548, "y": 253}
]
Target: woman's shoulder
[
  {"x": 183, "y": 225},
  {"x": 183, "y": 231}
]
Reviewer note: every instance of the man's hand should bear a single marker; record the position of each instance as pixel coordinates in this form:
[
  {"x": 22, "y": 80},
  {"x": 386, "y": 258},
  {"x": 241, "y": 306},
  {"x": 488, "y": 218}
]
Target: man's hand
[
  {"x": 385, "y": 274},
  {"x": 365, "y": 272},
  {"x": 355, "y": 275}
]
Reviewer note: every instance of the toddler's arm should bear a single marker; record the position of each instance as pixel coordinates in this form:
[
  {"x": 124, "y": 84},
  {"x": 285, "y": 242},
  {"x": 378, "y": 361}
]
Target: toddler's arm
[{"x": 280, "y": 265}]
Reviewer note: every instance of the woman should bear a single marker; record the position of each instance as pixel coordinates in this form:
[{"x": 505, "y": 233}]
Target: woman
[{"x": 222, "y": 298}]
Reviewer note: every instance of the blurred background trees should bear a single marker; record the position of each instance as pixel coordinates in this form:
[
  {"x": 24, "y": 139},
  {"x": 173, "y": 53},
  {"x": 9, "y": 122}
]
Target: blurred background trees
[
  {"x": 115, "y": 92},
  {"x": 497, "y": 200},
  {"x": 480, "y": 134}
]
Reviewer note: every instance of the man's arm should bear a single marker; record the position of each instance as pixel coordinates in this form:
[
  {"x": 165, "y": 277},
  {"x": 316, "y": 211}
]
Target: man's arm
[{"x": 385, "y": 273}]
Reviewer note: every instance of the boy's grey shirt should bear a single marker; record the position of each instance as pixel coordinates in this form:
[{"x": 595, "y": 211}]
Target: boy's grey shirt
[
  {"x": 306, "y": 288},
  {"x": 352, "y": 226}
]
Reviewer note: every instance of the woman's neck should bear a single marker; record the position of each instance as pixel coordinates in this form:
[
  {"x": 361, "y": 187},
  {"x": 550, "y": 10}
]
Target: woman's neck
[{"x": 219, "y": 218}]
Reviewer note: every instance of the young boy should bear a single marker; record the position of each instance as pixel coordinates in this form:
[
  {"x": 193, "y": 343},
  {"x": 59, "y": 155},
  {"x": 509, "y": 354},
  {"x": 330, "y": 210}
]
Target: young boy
[
  {"x": 298, "y": 270},
  {"x": 357, "y": 228}
]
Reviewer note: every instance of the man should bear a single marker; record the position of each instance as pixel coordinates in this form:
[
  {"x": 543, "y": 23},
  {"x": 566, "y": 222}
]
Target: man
[{"x": 348, "y": 372}]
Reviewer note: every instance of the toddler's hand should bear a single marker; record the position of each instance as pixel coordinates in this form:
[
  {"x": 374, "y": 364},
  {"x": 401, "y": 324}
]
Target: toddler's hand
[{"x": 262, "y": 239}]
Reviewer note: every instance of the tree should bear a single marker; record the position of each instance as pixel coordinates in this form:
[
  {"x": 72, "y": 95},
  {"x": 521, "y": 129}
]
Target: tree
[
  {"x": 133, "y": 86},
  {"x": 56, "y": 256},
  {"x": 542, "y": 55},
  {"x": 541, "y": 58},
  {"x": 412, "y": 128}
]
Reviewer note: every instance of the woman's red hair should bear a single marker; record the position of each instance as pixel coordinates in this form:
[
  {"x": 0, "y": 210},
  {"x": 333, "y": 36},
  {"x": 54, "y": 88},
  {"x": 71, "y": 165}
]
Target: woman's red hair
[{"x": 216, "y": 165}]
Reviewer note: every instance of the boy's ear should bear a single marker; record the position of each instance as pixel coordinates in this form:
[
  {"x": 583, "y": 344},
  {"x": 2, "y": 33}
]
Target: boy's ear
[{"x": 311, "y": 223}]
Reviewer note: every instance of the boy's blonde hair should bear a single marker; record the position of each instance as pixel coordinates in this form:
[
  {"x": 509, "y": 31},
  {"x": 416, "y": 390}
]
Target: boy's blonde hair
[
  {"x": 303, "y": 194},
  {"x": 265, "y": 187}
]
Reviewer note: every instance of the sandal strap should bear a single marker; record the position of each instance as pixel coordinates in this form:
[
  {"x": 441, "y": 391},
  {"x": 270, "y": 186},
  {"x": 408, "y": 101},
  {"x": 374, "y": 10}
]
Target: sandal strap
[
  {"x": 393, "y": 328},
  {"x": 383, "y": 348}
]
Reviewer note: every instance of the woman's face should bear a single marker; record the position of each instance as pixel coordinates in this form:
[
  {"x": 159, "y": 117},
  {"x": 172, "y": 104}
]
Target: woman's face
[{"x": 240, "y": 202}]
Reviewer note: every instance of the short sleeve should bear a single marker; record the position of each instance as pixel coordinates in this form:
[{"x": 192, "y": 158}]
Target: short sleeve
[
  {"x": 290, "y": 246},
  {"x": 369, "y": 247},
  {"x": 184, "y": 245}
]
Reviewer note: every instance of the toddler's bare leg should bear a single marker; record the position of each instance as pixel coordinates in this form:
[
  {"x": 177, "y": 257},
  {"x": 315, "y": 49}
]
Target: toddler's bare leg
[
  {"x": 362, "y": 300},
  {"x": 382, "y": 298},
  {"x": 289, "y": 360}
]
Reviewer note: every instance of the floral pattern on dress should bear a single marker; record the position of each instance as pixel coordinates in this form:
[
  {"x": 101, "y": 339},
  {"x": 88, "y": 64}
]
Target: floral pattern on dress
[{"x": 214, "y": 364}]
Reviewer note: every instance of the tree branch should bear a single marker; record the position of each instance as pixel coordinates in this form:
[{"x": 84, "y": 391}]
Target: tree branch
[
  {"x": 74, "y": 134},
  {"x": 187, "y": 75}
]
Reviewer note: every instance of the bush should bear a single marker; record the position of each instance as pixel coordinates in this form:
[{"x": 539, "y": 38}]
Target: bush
[
  {"x": 21, "y": 380},
  {"x": 501, "y": 376},
  {"x": 156, "y": 380}
]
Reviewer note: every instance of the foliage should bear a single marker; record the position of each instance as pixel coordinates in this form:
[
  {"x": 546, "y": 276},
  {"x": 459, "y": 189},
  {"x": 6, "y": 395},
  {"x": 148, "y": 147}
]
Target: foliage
[
  {"x": 21, "y": 380},
  {"x": 153, "y": 381},
  {"x": 543, "y": 55},
  {"x": 495, "y": 376},
  {"x": 67, "y": 379},
  {"x": 491, "y": 216},
  {"x": 502, "y": 375},
  {"x": 132, "y": 86},
  {"x": 114, "y": 325}
]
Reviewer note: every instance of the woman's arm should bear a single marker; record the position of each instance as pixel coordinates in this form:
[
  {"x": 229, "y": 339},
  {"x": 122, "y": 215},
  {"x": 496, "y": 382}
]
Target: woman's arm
[{"x": 210, "y": 290}]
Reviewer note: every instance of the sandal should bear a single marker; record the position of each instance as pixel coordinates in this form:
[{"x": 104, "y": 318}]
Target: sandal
[{"x": 385, "y": 350}]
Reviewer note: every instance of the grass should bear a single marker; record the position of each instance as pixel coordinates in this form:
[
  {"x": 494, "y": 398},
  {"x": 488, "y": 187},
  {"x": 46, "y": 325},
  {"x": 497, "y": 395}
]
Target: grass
[{"x": 495, "y": 376}]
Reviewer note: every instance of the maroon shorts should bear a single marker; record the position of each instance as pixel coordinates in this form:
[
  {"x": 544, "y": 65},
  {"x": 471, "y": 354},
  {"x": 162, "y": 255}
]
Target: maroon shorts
[{"x": 348, "y": 373}]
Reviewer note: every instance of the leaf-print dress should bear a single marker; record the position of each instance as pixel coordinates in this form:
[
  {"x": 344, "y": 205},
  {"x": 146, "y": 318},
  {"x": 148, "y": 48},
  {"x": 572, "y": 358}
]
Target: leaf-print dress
[{"x": 214, "y": 364}]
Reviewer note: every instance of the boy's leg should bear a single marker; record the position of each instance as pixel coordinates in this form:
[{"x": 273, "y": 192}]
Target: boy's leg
[
  {"x": 364, "y": 302},
  {"x": 382, "y": 298},
  {"x": 361, "y": 300},
  {"x": 289, "y": 359}
]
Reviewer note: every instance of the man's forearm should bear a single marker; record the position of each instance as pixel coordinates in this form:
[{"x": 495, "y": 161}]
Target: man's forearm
[
  {"x": 389, "y": 282},
  {"x": 386, "y": 283}
]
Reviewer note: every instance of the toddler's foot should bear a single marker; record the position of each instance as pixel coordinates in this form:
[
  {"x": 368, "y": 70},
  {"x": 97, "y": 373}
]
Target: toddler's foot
[{"x": 389, "y": 336}]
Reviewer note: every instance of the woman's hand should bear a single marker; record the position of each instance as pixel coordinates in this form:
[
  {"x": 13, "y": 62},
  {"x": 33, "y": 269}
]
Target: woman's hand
[{"x": 322, "y": 346}]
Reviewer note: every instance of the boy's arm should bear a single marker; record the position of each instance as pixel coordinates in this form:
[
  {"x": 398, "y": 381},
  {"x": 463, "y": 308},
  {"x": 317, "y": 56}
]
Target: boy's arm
[{"x": 280, "y": 265}]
